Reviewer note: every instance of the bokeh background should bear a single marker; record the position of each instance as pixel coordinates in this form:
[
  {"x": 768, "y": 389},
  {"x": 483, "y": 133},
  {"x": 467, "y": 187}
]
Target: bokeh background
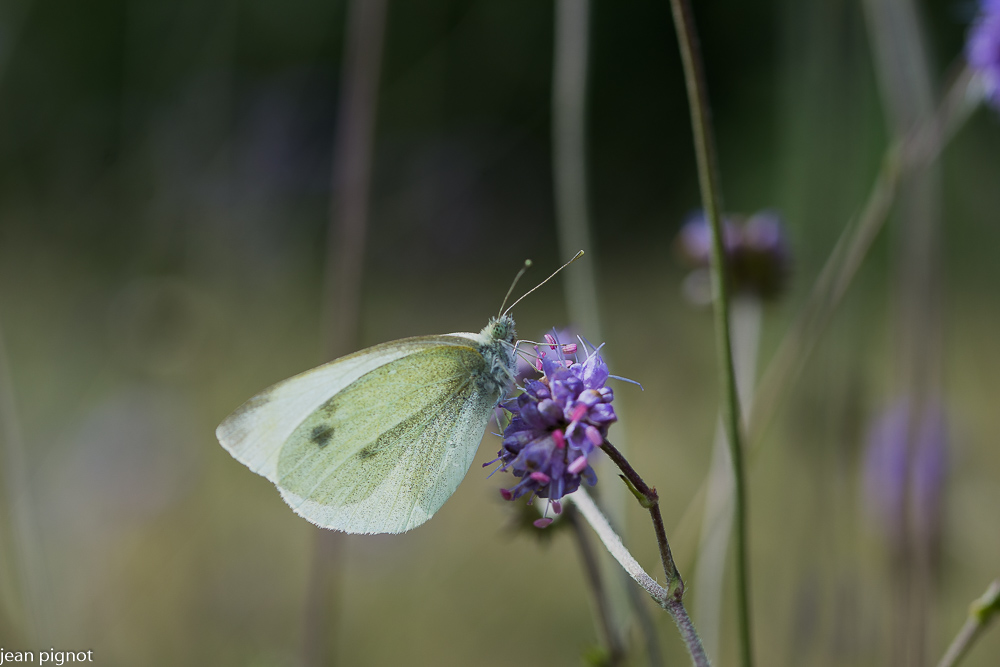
[{"x": 165, "y": 198}]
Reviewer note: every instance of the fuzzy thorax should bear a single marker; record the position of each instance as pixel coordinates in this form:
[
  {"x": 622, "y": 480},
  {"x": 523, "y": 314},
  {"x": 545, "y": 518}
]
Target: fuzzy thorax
[{"x": 497, "y": 347}]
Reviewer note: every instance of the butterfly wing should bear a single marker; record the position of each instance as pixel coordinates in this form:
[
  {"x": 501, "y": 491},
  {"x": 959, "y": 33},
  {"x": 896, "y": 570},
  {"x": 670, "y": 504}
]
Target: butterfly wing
[{"x": 374, "y": 442}]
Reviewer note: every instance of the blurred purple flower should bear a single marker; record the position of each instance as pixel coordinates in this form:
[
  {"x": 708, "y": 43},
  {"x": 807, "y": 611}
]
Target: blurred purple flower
[
  {"x": 757, "y": 254},
  {"x": 762, "y": 259},
  {"x": 983, "y": 49},
  {"x": 905, "y": 469},
  {"x": 556, "y": 424},
  {"x": 694, "y": 241}
]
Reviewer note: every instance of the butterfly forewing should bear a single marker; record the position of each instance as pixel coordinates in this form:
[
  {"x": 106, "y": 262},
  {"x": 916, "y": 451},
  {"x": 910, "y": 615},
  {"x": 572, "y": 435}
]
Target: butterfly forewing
[{"x": 384, "y": 448}]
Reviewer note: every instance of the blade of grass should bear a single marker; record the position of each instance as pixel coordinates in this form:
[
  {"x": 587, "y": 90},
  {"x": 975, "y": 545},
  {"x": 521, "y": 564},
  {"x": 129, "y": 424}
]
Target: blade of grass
[
  {"x": 350, "y": 185},
  {"x": 711, "y": 196}
]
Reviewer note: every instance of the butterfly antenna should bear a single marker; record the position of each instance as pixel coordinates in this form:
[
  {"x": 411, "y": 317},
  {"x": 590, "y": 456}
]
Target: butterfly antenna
[
  {"x": 575, "y": 257},
  {"x": 527, "y": 264}
]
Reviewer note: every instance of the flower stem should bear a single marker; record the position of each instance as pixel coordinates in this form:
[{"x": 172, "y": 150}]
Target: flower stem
[
  {"x": 704, "y": 147},
  {"x": 981, "y": 612},
  {"x": 676, "y": 609},
  {"x": 25, "y": 557},
  {"x": 670, "y": 600},
  {"x": 346, "y": 233},
  {"x": 717, "y": 518},
  {"x": 649, "y": 499},
  {"x": 569, "y": 157}
]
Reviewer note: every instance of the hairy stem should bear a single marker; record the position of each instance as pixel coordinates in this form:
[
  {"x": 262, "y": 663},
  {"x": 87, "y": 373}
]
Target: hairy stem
[
  {"x": 670, "y": 601},
  {"x": 690, "y": 636}
]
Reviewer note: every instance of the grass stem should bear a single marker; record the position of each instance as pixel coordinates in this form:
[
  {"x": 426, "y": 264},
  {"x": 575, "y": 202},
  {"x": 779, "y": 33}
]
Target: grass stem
[{"x": 708, "y": 179}]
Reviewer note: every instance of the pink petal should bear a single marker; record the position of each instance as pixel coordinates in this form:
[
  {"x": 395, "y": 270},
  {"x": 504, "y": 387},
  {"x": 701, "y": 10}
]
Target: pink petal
[{"x": 560, "y": 439}]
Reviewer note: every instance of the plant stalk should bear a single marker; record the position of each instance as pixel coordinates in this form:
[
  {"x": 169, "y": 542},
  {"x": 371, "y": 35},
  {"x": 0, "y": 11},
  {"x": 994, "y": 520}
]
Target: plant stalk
[
  {"x": 981, "y": 612},
  {"x": 704, "y": 147}
]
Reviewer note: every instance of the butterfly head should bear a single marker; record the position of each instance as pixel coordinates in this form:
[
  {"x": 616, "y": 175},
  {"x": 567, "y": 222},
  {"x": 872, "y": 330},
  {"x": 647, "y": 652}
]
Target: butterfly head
[{"x": 499, "y": 329}]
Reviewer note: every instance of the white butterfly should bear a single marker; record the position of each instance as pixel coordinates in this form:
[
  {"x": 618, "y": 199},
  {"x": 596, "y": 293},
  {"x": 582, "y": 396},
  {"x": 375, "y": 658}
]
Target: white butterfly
[{"x": 377, "y": 441}]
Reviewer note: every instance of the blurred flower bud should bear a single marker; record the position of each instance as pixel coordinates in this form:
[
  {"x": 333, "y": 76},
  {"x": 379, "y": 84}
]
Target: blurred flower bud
[
  {"x": 761, "y": 263},
  {"x": 756, "y": 250},
  {"x": 905, "y": 468}
]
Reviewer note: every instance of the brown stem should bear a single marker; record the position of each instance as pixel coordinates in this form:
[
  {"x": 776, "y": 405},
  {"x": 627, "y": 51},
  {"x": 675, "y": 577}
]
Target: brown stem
[
  {"x": 651, "y": 501},
  {"x": 350, "y": 186}
]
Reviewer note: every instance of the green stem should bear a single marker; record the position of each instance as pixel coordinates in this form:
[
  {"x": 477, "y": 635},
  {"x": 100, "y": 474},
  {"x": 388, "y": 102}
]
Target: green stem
[
  {"x": 981, "y": 612},
  {"x": 704, "y": 148}
]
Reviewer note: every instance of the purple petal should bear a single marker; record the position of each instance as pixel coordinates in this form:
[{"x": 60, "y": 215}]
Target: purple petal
[
  {"x": 594, "y": 371},
  {"x": 537, "y": 389},
  {"x": 602, "y": 413},
  {"x": 550, "y": 411}
]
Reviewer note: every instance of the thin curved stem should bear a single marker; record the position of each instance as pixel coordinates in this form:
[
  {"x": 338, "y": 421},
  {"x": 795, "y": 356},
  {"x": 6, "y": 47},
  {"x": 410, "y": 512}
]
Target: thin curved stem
[
  {"x": 914, "y": 151},
  {"x": 919, "y": 148},
  {"x": 981, "y": 613},
  {"x": 648, "y": 498},
  {"x": 704, "y": 147}
]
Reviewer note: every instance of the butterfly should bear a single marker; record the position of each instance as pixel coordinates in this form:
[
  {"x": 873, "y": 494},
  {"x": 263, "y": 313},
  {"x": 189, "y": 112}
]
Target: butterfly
[{"x": 377, "y": 441}]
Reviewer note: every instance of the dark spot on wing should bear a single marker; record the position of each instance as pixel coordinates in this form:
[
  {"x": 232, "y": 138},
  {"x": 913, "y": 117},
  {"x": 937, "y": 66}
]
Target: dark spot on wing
[
  {"x": 321, "y": 435},
  {"x": 366, "y": 453}
]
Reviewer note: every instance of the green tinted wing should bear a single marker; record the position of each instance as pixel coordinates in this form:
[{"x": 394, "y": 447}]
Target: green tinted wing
[{"x": 385, "y": 452}]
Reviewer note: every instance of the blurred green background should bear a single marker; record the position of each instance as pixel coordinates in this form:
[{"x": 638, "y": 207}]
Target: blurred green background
[{"x": 165, "y": 178}]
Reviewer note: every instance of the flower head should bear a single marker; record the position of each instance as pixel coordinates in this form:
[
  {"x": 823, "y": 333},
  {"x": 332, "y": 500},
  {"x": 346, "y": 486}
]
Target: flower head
[
  {"x": 694, "y": 241},
  {"x": 983, "y": 49},
  {"x": 905, "y": 469},
  {"x": 557, "y": 422},
  {"x": 756, "y": 251}
]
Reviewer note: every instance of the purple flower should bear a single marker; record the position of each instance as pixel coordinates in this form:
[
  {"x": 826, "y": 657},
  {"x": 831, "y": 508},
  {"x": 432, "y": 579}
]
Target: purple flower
[
  {"x": 694, "y": 241},
  {"x": 757, "y": 254},
  {"x": 557, "y": 422},
  {"x": 983, "y": 49},
  {"x": 905, "y": 468},
  {"x": 762, "y": 259}
]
